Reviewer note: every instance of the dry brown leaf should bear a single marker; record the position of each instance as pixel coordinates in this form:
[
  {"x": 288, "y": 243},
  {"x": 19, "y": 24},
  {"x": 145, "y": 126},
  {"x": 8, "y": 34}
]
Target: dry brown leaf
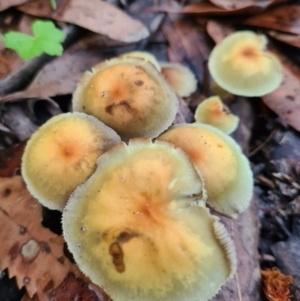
[
  {"x": 187, "y": 43},
  {"x": 207, "y": 8},
  {"x": 291, "y": 39},
  {"x": 10, "y": 159},
  {"x": 184, "y": 114},
  {"x": 60, "y": 76},
  {"x": 5, "y": 4},
  {"x": 238, "y": 4},
  {"x": 97, "y": 16},
  {"x": 283, "y": 18},
  {"x": 285, "y": 101},
  {"x": 33, "y": 254}
]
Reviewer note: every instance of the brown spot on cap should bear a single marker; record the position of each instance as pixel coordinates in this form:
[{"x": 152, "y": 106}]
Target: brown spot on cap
[
  {"x": 123, "y": 103},
  {"x": 126, "y": 236},
  {"x": 139, "y": 83},
  {"x": 117, "y": 254}
]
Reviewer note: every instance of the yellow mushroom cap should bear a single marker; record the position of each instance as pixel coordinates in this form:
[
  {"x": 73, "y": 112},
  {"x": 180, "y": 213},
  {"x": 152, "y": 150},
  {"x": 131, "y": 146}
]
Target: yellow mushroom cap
[
  {"x": 213, "y": 111},
  {"x": 144, "y": 55},
  {"x": 129, "y": 95},
  {"x": 62, "y": 154},
  {"x": 179, "y": 77},
  {"x": 240, "y": 65},
  {"x": 137, "y": 229},
  {"x": 226, "y": 171}
]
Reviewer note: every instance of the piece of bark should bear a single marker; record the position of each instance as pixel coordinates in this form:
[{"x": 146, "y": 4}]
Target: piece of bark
[{"x": 245, "y": 285}]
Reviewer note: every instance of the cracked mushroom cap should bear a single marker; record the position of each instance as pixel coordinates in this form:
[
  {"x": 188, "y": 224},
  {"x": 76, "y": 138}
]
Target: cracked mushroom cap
[
  {"x": 226, "y": 171},
  {"x": 62, "y": 154},
  {"x": 135, "y": 227},
  {"x": 214, "y": 112},
  {"x": 129, "y": 95},
  {"x": 144, "y": 55},
  {"x": 180, "y": 77},
  {"x": 241, "y": 65}
]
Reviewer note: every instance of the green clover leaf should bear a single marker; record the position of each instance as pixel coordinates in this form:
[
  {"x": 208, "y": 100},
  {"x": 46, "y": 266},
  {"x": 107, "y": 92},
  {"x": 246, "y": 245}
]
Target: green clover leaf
[{"x": 47, "y": 38}]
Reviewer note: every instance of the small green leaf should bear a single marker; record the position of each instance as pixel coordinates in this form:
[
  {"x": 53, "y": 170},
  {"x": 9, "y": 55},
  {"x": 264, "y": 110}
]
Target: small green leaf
[{"x": 47, "y": 38}]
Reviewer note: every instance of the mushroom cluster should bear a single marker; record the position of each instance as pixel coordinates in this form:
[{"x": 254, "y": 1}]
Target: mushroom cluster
[{"x": 136, "y": 212}]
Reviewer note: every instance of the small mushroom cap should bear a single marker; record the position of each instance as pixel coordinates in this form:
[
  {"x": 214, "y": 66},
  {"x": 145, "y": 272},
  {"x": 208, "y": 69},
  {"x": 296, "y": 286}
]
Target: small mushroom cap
[
  {"x": 213, "y": 111},
  {"x": 226, "y": 171},
  {"x": 145, "y": 55},
  {"x": 180, "y": 77},
  {"x": 62, "y": 154},
  {"x": 129, "y": 95},
  {"x": 136, "y": 229},
  {"x": 240, "y": 65}
]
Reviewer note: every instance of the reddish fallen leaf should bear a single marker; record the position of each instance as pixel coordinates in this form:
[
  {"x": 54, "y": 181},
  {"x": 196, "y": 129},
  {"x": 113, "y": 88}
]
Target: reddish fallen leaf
[
  {"x": 60, "y": 76},
  {"x": 32, "y": 253},
  {"x": 238, "y": 4},
  {"x": 97, "y": 16},
  {"x": 291, "y": 39},
  {"x": 284, "y": 101},
  {"x": 5, "y": 4},
  {"x": 184, "y": 114},
  {"x": 283, "y": 18},
  {"x": 276, "y": 285},
  {"x": 10, "y": 159},
  {"x": 218, "y": 31},
  {"x": 187, "y": 43}
]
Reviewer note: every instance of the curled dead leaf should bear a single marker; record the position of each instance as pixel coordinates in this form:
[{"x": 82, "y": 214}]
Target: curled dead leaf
[
  {"x": 283, "y": 18},
  {"x": 33, "y": 254},
  {"x": 97, "y": 16}
]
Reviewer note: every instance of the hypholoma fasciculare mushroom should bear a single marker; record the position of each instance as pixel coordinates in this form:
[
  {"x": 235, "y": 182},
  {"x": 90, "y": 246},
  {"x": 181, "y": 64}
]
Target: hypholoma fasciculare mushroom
[
  {"x": 62, "y": 154},
  {"x": 138, "y": 228},
  {"x": 144, "y": 55},
  {"x": 180, "y": 77},
  {"x": 214, "y": 112},
  {"x": 226, "y": 171},
  {"x": 129, "y": 95},
  {"x": 241, "y": 65}
]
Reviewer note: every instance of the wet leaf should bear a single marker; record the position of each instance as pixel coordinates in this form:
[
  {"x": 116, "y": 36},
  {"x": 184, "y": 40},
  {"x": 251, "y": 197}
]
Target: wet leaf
[
  {"x": 61, "y": 75},
  {"x": 32, "y": 253},
  {"x": 285, "y": 101},
  {"x": 97, "y": 16},
  {"x": 10, "y": 159},
  {"x": 5, "y": 4},
  {"x": 283, "y": 18},
  {"x": 291, "y": 39},
  {"x": 187, "y": 43}
]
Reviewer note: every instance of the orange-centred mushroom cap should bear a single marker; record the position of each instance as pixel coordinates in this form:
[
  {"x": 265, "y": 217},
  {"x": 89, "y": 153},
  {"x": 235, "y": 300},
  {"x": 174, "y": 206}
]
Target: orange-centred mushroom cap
[
  {"x": 180, "y": 77},
  {"x": 129, "y": 95},
  {"x": 213, "y": 111},
  {"x": 226, "y": 171},
  {"x": 138, "y": 229},
  {"x": 241, "y": 65},
  {"x": 144, "y": 55},
  {"x": 62, "y": 154}
]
